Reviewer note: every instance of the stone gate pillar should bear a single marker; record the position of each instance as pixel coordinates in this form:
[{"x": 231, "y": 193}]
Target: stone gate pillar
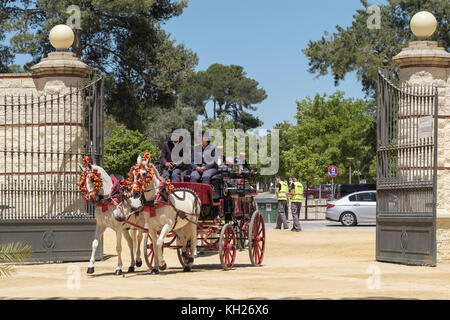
[
  {"x": 59, "y": 79},
  {"x": 43, "y": 134},
  {"x": 424, "y": 63}
]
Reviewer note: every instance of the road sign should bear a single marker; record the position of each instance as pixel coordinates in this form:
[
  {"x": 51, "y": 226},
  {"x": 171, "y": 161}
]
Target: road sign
[{"x": 333, "y": 171}]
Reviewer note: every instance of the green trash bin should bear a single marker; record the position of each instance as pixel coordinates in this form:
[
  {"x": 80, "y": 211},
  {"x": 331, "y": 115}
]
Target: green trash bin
[{"x": 268, "y": 206}]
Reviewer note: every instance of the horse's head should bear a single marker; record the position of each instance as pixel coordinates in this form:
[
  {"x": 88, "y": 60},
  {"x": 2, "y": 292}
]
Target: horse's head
[
  {"x": 121, "y": 211},
  {"x": 144, "y": 176},
  {"x": 94, "y": 181}
]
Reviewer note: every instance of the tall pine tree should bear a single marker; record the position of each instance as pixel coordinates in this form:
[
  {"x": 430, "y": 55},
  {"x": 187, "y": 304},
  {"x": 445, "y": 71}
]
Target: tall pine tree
[{"x": 361, "y": 49}]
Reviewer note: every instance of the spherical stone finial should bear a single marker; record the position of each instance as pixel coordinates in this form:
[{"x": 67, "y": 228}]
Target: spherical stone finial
[
  {"x": 423, "y": 24},
  {"x": 61, "y": 37}
]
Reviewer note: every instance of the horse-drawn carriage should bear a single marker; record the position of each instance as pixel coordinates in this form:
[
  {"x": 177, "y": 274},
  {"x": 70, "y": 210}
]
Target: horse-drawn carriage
[
  {"x": 194, "y": 218},
  {"x": 228, "y": 221}
]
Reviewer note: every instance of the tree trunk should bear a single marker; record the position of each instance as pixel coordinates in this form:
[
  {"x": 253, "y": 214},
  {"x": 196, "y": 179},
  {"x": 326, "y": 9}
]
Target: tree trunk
[
  {"x": 205, "y": 112},
  {"x": 220, "y": 111}
]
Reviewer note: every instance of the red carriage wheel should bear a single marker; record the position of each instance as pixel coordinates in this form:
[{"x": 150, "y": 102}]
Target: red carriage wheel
[
  {"x": 149, "y": 254},
  {"x": 227, "y": 247},
  {"x": 256, "y": 238}
]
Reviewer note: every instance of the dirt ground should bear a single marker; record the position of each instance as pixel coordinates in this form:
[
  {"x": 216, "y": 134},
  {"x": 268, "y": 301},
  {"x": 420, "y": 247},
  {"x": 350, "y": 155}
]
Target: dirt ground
[{"x": 317, "y": 264}]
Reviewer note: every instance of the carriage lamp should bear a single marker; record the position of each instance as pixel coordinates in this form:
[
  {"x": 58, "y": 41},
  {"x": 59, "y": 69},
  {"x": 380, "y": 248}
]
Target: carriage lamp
[
  {"x": 423, "y": 24},
  {"x": 61, "y": 37}
]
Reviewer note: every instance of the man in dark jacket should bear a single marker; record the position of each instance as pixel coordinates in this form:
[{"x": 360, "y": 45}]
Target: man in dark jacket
[
  {"x": 202, "y": 172},
  {"x": 172, "y": 170}
]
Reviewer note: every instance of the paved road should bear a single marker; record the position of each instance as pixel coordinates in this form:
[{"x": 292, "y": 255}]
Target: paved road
[{"x": 324, "y": 225}]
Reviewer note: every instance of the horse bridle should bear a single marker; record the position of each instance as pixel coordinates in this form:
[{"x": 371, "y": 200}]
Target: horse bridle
[{"x": 179, "y": 213}]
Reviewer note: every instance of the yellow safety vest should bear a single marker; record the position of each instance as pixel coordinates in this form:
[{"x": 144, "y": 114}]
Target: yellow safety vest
[
  {"x": 282, "y": 193},
  {"x": 298, "y": 192}
]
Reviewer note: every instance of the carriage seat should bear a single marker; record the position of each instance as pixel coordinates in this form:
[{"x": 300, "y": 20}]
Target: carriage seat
[{"x": 204, "y": 191}]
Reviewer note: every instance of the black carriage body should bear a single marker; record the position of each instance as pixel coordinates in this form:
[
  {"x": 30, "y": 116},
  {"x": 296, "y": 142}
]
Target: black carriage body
[{"x": 233, "y": 196}]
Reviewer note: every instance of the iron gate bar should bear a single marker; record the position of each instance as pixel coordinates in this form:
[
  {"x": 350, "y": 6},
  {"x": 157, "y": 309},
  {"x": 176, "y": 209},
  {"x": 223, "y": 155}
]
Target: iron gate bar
[
  {"x": 40, "y": 203},
  {"x": 406, "y": 174}
]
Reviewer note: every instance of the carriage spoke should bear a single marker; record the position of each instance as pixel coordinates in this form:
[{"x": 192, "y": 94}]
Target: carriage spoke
[
  {"x": 227, "y": 259},
  {"x": 227, "y": 245},
  {"x": 256, "y": 250}
]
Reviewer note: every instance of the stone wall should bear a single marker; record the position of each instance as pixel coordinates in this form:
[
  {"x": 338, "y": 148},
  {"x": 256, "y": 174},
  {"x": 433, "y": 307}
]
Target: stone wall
[{"x": 16, "y": 84}]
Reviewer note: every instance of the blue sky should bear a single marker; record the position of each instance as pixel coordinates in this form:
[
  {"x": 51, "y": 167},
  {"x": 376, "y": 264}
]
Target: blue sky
[{"x": 266, "y": 38}]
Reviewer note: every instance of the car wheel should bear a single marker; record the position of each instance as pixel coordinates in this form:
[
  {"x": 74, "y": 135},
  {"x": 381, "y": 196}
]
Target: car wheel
[{"x": 348, "y": 219}]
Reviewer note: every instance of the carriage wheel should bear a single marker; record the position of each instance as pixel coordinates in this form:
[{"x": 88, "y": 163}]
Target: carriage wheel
[
  {"x": 184, "y": 260},
  {"x": 256, "y": 238},
  {"x": 227, "y": 247},
  {"x": 149, "y": 254}
]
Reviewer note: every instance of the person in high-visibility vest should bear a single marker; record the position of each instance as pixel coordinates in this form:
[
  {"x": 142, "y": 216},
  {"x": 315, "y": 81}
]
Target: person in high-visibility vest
[
  {"x": 296, "y": 194},
  {"x": 282, "y": 191}
]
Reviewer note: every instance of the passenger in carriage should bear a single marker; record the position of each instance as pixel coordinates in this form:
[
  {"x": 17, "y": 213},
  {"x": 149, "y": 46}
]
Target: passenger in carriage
[
  {"x": 224, "y": 163},
  {"x": 202, "y": 172},
  {"x": 172, "y": 170},
  {"x": 243, "y": 164}
]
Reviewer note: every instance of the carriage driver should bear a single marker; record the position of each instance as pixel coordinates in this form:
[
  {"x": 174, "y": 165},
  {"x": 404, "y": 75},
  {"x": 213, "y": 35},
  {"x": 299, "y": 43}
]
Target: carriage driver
[
  {"x": 172, "y": 170},
  {"x": 208, "y": 167}
]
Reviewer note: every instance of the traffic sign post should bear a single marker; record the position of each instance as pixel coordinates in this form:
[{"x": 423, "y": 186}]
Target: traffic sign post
[{"x": 333, "y": 172}]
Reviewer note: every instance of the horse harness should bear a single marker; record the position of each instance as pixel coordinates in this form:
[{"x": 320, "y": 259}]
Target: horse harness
[
  {"x": 162, "y": 199},
  {"x": 116, "y": 195}
]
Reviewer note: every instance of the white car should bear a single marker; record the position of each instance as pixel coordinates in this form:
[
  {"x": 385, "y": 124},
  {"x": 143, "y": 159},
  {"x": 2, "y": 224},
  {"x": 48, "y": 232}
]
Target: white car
[{"x": 357, "y": 207}]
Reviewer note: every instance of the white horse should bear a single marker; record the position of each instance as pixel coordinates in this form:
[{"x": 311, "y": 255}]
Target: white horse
[
  {"x": 180, "y": 214},
  {"x": 111, "y": 214}
]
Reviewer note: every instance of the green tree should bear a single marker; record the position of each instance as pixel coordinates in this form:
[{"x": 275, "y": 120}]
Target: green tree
[
  {"x": 362, "y": 50},
  {"x": 223, "y": 123},
  {"x": 123, "y": 147},
  {"x": 12, "y": 253},
  {"x": 123, "y": 39},
  {"x": 6, "y": 56},
  {"x": 161, "y": 121},
  {"x": 229, "y": 89},
  {"x": 328, "y": 130}
]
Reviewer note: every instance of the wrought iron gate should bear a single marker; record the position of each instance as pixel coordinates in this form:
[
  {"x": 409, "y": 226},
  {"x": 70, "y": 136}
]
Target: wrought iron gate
[
  {"x": 406, "y": 173},
  {"x": 44, "y": 140}
]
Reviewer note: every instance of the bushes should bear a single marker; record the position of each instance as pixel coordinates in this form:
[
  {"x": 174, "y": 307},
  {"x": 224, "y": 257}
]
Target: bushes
[{"x": 123, "y": 147}]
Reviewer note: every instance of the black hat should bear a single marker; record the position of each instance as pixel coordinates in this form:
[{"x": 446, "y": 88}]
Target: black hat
[
  {"x": 295, "y": 176},
  {"x": 174, "y": 129}
]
